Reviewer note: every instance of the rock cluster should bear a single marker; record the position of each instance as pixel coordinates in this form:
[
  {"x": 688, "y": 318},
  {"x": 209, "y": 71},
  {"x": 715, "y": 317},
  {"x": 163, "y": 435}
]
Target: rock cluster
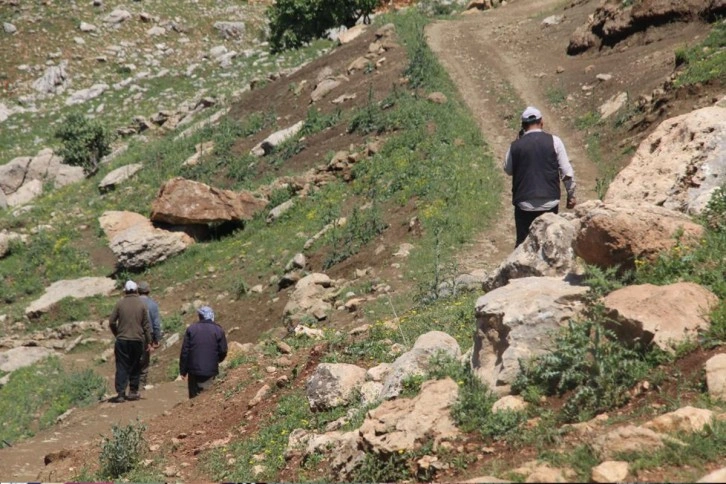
[{"x": 22, "y": 179}]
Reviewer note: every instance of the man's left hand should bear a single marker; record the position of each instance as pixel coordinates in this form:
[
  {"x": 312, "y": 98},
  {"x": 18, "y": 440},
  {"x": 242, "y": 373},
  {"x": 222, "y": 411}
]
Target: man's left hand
[{"x": 571, "y": 202}]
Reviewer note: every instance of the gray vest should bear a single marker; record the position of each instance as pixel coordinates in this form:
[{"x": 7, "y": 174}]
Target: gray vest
[{"x": 535, "y": 170}]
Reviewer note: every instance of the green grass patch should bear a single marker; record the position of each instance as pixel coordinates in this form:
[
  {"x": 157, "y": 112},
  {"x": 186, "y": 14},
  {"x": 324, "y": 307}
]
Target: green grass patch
[
  {"x": 53, "y": 391},
  {"x": 705, "y": 61},
  {"x": 556, "y": 95}
]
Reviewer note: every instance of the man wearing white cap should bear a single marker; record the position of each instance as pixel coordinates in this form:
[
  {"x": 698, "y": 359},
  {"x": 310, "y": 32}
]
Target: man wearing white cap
[
  {"x": 537, "y": 161},
  {"x": 130, "y": 325}
]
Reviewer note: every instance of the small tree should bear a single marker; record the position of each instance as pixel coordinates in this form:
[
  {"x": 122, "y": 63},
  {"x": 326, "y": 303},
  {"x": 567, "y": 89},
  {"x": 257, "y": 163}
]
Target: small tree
[
  {"x": 84, "y": 142},
  {"x": 295, "y": 22}
]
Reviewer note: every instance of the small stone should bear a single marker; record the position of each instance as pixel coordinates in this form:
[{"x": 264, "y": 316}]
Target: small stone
[{"x": 283, "y": 347}]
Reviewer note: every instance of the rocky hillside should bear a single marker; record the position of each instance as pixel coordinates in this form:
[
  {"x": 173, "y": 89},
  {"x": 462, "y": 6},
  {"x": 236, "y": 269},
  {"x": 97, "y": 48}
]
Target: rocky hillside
[{"x": 342, "y": 209}]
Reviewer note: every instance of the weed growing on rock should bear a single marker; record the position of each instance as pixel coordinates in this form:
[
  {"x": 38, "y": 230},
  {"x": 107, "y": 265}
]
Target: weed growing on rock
[{"x": 590, "y": 364}]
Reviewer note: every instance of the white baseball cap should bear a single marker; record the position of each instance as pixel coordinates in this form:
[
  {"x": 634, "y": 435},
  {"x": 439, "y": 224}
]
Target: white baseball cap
[
  {"x": 531, "y": 114},
  {"x": 130, "y": 286}
]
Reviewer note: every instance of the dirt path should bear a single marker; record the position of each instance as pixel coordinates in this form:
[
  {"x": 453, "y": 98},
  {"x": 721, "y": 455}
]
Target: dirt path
[
  {"x": 24, "y": 462},
  {"x": 487, "y": 57}
]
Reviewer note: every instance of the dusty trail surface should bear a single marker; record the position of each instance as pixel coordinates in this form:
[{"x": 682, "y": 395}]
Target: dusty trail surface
[
  {"x": 496, "y": 62},
  {"x": 25, "y": 461}
]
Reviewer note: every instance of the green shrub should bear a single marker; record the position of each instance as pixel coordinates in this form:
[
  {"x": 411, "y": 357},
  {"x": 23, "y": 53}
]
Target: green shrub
[
  {"x": 122, "y": 451},
  {"x": 296, "y": 22},
  {"x": 588, "y": 362},
  {"x": 83, "y": 142}
]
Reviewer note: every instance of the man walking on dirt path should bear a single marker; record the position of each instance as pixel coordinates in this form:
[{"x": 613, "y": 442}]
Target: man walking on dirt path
[
  {"x": 155, "y": 320},
  {"x": 204, "y": 348},
  {"x": 129, "y": 323},
  {"x": 536, "y": 162}
]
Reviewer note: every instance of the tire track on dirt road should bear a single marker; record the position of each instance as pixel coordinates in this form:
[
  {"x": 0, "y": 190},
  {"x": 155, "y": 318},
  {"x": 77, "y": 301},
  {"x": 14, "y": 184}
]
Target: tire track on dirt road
[{"x": 495, "y": 75}]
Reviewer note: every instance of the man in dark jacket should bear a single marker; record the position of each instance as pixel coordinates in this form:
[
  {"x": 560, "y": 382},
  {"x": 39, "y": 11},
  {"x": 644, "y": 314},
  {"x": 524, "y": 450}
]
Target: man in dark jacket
[
  {"x": 129, "y": 323},
  {"x": 537, "y": 161},
  {"x": 204, "y": 348},
  {"x": 155, "y": 320}
]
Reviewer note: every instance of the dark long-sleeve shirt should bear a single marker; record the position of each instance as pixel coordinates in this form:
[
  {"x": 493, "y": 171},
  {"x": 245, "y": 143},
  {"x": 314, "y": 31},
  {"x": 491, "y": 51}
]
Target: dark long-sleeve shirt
[{"x": 203, "y": 349}]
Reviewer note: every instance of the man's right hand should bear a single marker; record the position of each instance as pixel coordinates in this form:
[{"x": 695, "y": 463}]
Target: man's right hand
[{"x": 571, "y": 202}]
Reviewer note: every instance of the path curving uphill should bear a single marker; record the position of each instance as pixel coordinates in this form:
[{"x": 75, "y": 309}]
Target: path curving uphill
[{"x": 494, "y": 61}]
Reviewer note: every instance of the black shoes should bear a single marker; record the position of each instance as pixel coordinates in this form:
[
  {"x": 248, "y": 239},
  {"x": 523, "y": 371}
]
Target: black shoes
[
  {"x": 133, "y": 396},
  {"x": 120, "y": 398}
]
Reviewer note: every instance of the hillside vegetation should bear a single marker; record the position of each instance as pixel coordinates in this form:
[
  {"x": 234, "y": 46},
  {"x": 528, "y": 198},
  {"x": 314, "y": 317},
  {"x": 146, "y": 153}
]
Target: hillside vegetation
[{"x": 387, "y": 181}]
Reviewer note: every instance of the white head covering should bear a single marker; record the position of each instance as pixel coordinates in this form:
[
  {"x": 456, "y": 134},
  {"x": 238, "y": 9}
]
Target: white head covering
[
  {"x": 130, "y": 286},
  {"x": 531, "y": 114}
]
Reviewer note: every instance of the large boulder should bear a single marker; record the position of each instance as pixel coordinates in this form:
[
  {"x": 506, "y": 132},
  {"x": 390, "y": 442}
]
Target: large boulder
[
  {"x": 404, "y": 424},
  {"x": 312, "y": 297},
  {"x": 83, "y": 95},
  {"x": 119, "y": 175},
  {"x": 32, "y": 172},
  {"x": 186, "y": 202},
  {"x": 22, "y": 356},
  {"x": 516, "y": 321},
  {"x": 342, "y": 448},
  {"x": 333, "y": 385},
  {"x": 267, "y": 145},
  {"x": 416, "y": 361},
  {"x": 662, "y": 315},
  {"x": 617, "y": 234},
  {"x": 325, "y": 87},
  {"x": 26, "y": 194},
  {"x": 679, "y": 165},
  {"x": 230, "y": 30},
  {"x": 716, "y": 376},
  {"x": 54, "y": 79},
  {"x": 610, "y": 471},
  {"x": 76, "y": 289},
  {"x": 614, "y": 21},
  {"x": 546, "y": 252},
  {"x": 717, "y": 476},
  {"x": 137, "y": 243}
]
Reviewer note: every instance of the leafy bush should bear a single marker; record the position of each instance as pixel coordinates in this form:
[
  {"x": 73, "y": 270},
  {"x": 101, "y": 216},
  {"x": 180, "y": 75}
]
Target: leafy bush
[
  {"x": 715, "y": 214},
  {"x": 588, "y": 361},
  {"x": 295, "y": 22},
  {"x": 122, "y": 451},
  {"x": 84, "y": 142}
]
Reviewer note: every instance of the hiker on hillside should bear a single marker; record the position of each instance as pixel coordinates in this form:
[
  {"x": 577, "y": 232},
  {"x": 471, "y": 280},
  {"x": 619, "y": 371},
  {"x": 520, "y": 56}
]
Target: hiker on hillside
[
  {"x": 537, "y": 161},
  {"x": 203, "y": 349},
  {"x": 155, "y": 319},
  {"x": 129, "y": 323}
]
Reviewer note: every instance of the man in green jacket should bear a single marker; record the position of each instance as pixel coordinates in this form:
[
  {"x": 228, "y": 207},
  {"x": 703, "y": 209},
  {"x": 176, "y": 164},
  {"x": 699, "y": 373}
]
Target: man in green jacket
[{"x": 130, "y": 325}]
